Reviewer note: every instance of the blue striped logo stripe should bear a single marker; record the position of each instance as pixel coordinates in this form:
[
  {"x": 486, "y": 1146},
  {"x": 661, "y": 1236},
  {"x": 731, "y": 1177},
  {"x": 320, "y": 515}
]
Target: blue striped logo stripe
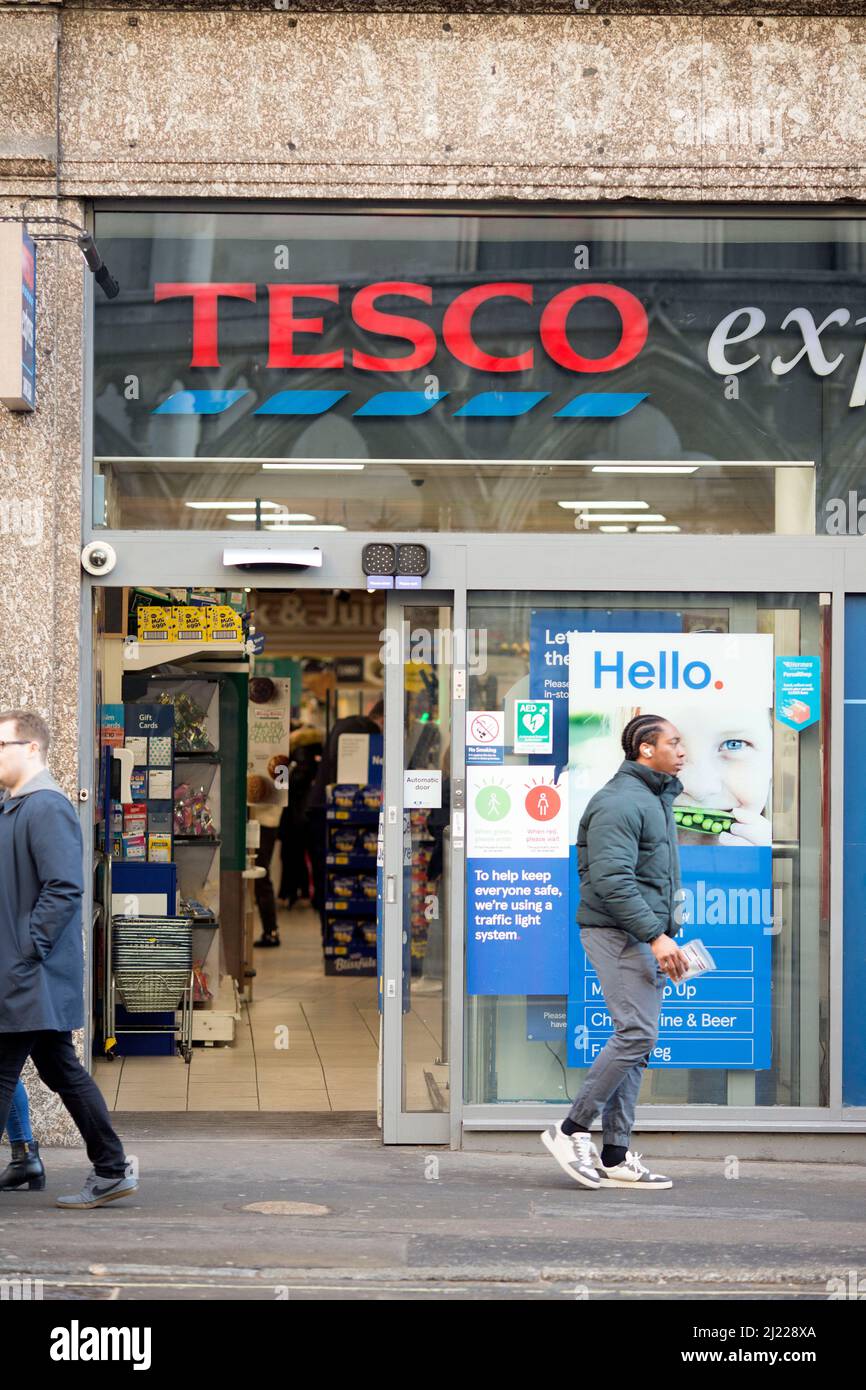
[
  {"x": 487, "y": 405},
  {"x": 601, "y": 405}
]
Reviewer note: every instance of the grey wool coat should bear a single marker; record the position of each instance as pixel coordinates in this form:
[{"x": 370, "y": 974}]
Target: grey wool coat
[{"x": 41, "y": 952}]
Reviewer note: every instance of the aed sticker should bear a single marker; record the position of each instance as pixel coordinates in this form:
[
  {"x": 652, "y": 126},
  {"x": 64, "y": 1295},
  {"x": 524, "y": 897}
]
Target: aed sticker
[{"x": 533, "y": 726}]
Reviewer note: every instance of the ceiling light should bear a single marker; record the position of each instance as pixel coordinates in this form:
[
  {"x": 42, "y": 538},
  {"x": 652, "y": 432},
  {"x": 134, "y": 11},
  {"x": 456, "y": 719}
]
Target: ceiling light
[
  {"x": 621, "y": 516},
  {"x": 275, "y": 526},
  {"x": 235, "y": 502},
  {"x": 270, "y": 516},
  {"x": 611, "y": 529},
  {"x": 611, "y": 502},
  {"x": 645, "y": 468},
  {"x": 314, "y": 467},
  {"x": 657, "y": 528}
]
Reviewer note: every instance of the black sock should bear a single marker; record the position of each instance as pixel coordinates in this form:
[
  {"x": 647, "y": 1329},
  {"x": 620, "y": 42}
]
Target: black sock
[
  {"x": 612, "y": 1154},
  {"x": 569, "y": 1127}
]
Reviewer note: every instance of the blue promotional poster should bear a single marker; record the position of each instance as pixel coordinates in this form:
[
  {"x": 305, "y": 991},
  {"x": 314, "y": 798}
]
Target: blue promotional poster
[
  {"x": 798, "y": 691},
  {"x": 718, "y": 691},
  {"x": 517, "y": 874}
]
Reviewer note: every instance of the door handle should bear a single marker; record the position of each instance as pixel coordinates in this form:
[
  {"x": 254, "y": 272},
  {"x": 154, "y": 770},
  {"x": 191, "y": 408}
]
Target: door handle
[{"x": 391, "y": 888}]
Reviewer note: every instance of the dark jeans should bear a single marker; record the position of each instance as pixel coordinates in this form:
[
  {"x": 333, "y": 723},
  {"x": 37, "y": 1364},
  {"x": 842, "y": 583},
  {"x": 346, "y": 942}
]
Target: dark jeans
[
  {"x": 264, "y": 888},
  {"x": 54, "y": 1058}
]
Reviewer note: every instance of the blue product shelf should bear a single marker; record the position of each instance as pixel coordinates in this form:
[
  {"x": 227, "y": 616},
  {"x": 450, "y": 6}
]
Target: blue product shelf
[
  {"x": 351, "y": 906},
  {"x": 352, "y": 861}
]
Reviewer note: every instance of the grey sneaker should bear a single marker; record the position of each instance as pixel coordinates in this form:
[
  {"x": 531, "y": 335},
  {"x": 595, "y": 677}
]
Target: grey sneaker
[
  {"x": 576, "y": 1155},
  {"x": 632, "y": 1173},
  {"x": 97, "y": 1191}
]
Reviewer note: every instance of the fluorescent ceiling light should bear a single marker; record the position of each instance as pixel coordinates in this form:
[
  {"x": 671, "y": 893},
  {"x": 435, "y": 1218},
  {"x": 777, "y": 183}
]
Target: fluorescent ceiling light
[
  {"x": 270, "y": 516},
  {"x": 650, "y": 465},
  {"x": 621, "y": 516},
  {"x": 613, "y": 528},
  {"x": 275, "y": 526},
  {"x": 611, "y": 502},
  {"x": 314, "y": 467},
  {"x": 645, "y": 468},
  {"x": 235, "y": 502},
  {"x": 657, "y": 528}
]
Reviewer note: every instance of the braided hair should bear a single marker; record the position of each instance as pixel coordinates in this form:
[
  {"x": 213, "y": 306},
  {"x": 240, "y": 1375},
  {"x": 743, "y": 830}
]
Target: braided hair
[{"x": 644, "y": 728}]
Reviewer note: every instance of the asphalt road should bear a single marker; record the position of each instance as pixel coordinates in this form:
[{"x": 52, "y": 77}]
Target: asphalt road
[{"x": 347, "y": 1219}]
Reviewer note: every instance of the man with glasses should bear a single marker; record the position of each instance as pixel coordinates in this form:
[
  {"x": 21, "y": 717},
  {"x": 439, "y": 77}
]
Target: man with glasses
[{"x": 41, "y": 953}]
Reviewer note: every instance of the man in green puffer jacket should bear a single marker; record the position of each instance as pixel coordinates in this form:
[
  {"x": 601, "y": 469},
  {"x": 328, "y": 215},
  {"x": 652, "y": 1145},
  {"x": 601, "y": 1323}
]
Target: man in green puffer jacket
[{"x": 628, "y": 862}]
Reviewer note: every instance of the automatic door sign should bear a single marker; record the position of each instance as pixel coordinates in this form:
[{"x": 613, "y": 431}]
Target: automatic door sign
[
  {"x": 533, "y": 726},
  {"x": 485, "y": 736}
]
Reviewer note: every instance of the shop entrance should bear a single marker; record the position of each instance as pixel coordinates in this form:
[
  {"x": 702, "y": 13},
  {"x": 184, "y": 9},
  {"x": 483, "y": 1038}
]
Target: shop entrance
[{"x": 273, "y": 861}]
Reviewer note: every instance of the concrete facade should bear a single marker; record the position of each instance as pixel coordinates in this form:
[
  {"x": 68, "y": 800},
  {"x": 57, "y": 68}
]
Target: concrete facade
[{"x": 556, "y": 103}]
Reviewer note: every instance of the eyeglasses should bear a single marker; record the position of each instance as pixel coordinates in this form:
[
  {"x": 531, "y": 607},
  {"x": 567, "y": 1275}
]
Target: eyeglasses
[{"x": 15, "y": 743}]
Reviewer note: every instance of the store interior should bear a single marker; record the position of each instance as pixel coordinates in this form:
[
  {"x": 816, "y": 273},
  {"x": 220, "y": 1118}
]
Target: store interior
[{"x": 238, "y": 765}]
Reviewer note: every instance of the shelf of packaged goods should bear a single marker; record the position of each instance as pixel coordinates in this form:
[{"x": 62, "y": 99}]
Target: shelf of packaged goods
[
  {"x": 161, "y": 653},
  {"x": 350, "y": 906},
  {"x": 351, "y": 817},
  {"x": 351, "y": 861}
]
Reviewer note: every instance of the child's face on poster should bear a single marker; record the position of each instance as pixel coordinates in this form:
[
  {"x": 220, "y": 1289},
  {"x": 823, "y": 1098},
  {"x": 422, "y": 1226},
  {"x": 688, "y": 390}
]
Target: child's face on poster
[{"x": 728, "y": 766}]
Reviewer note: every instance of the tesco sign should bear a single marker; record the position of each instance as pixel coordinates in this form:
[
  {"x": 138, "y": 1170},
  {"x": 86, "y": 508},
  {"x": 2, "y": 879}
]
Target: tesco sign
[{"x": 291, "y": 313}]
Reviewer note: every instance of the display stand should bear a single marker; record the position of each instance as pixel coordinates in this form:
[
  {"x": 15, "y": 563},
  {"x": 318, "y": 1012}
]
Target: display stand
[{"x": 352, "y": 819}]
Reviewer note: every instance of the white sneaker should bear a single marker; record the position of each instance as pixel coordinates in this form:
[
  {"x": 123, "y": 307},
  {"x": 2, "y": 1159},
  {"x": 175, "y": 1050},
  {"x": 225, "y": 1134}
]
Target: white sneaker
[
  {"x": 576, "y": 1155},
  {"x": 631, "y": 1173}
]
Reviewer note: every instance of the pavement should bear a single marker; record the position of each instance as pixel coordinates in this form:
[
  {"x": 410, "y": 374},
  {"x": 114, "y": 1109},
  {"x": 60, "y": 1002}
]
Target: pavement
[{"x": 342, "y": 1217}]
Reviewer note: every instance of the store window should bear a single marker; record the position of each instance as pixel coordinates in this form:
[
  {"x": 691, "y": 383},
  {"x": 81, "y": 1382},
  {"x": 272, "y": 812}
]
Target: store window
[
  {"x": 452, "y": 372},
  {"x": 746, "y": 679}
]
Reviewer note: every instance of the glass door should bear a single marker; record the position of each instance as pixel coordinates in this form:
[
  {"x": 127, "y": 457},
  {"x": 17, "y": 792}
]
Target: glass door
[{"x": 418, "y": 871}]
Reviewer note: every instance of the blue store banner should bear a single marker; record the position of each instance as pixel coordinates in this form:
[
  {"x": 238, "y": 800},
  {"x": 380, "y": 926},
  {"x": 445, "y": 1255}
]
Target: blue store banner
[
  {"x": 717, "y": 689},
  {"x": 721, "y": 1019}
]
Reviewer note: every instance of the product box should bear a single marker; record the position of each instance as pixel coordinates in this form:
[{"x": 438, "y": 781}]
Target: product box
[
  {"x": 160, "y": 784},
  {"x": 134, "y": 846},
  {"x": 159, "y": 849},
  {"x": 224, "y": 624},
  {"x": 159, "y": 821},
  {"x": 134, "y": 819},
  {"x": 157, "y": 625},
  {"x": 191, "y": 624},
  {"x": 138, "y": 744}
]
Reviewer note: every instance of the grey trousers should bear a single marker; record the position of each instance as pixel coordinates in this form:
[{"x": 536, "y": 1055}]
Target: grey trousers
[{"x": 632, "y": 985}]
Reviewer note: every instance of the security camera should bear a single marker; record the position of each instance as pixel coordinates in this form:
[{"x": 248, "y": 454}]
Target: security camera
[
  {"x": 98, "y": 558},
  {"x": 418, "y": 482}
]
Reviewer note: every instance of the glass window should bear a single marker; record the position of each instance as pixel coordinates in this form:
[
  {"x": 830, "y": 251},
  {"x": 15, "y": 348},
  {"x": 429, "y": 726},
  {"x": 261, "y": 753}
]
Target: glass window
[
  {"x": 281, "y": 371},
  {"x": 755, "y": 871}
]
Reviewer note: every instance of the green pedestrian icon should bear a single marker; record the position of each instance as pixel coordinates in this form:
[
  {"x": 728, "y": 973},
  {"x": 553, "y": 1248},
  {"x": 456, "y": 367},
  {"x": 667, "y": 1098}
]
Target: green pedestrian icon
[{"x": 493, "y": 803}]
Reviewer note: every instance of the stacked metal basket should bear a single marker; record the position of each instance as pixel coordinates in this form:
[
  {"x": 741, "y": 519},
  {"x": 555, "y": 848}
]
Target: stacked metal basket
[{"x": 152, "y": 960}]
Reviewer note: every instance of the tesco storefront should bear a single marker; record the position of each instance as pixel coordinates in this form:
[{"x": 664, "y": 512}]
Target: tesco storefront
[{"x": 632, "y": 446}]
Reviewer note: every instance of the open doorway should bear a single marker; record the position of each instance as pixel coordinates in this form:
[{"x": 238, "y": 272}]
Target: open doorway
[{"x": 238, "y": 750}]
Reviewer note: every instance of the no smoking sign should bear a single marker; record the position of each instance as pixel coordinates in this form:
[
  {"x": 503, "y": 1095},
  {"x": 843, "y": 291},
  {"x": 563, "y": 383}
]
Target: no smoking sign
[{"x": 485, "y": 736}]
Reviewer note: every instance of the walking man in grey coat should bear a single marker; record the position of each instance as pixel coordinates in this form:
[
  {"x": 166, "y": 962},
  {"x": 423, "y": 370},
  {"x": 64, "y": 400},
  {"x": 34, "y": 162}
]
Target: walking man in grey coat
[
  {"x": 628, "y": 862},
  {"x": 41, "y": 954}
]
